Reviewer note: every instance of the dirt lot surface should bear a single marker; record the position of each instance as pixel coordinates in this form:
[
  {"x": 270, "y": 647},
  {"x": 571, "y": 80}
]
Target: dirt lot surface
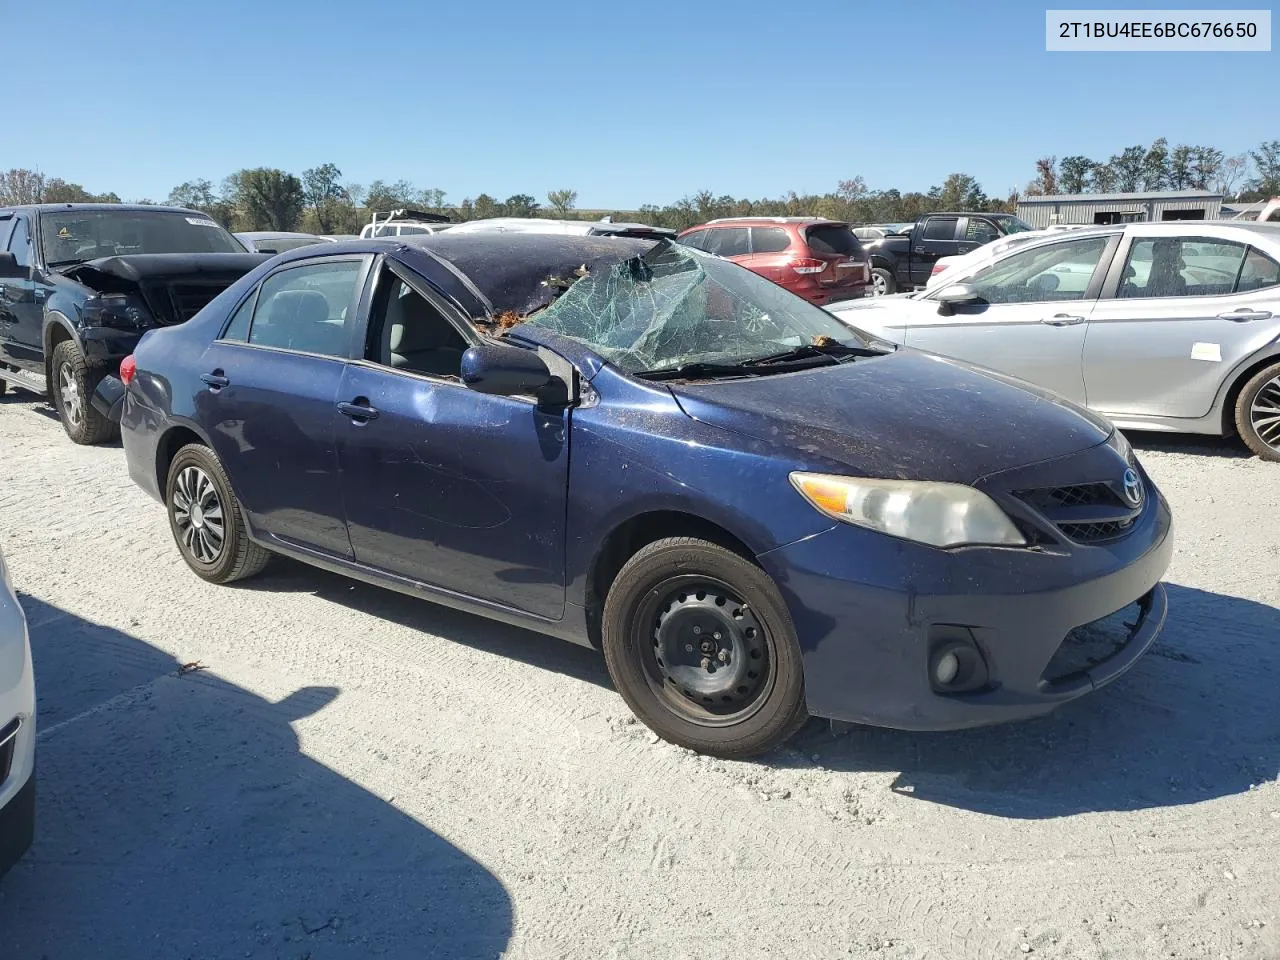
[{"x": 350, "y": 773}]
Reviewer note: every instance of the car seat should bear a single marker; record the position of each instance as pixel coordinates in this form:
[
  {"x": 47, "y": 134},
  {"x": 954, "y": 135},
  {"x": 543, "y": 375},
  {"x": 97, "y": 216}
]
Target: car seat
[
  {"x": 1165, "y": 279},
  {"x": 299, "y": 320},
  {"x": 416, "y": 337}
]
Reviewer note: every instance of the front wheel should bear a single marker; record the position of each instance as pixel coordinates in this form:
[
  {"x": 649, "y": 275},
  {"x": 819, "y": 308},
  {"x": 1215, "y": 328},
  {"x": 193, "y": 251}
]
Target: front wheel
[
  {"x": 206, "y": 519},
  {"x": 701, "y": 646},
  {"x": 1258, "y": 413},
  {"x": 883, "y": 282},
  {"x": 71, "y": 386}
]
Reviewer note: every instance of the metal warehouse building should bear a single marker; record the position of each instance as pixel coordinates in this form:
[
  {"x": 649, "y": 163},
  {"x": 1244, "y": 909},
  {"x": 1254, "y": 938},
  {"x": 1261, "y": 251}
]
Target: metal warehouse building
[{"x": 1091, "y": 208}]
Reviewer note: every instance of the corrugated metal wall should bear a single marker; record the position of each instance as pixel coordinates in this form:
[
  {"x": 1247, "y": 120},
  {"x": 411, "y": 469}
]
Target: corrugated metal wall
[{"x": 1083, "y": 211}]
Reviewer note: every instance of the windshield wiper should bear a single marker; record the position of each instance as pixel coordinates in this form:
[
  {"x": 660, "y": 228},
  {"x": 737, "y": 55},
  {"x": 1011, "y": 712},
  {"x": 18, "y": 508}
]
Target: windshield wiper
[
  {"x": 836, "y": 353},
  {"x": 53, "y": 264},
  {"x": 699, "y": 369}
]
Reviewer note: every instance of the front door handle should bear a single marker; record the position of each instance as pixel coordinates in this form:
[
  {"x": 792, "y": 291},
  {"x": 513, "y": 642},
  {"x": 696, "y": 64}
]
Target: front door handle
[
  {"x": 1244, "y": 316},
  {"x": 215, "y": 380},
  {"x": 358, "y": 409},
  {"x": 1062, "y": 320}
]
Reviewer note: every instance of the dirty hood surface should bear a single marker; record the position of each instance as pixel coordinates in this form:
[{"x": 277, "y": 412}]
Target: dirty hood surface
[{"x": 906, "y": 415}]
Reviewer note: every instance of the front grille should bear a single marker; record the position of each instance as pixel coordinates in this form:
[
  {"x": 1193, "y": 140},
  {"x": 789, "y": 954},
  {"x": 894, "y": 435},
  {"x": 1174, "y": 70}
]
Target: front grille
[
  {"x": 1076, "y": 495},
  {"x": 1094, "y": 643},
  {"x": 1096, "y": 532},
  {"x": 188, "y": 299},
  {"x": 8, "y": 742}
]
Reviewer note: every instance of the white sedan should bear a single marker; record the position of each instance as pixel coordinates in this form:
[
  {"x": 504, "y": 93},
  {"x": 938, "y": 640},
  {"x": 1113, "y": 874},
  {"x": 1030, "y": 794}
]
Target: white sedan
[{"x": 17, "y": 729}]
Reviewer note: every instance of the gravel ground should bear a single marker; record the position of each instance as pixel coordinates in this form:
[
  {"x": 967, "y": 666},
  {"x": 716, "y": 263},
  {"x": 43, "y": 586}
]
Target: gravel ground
[{"x": 349, "y": 773}]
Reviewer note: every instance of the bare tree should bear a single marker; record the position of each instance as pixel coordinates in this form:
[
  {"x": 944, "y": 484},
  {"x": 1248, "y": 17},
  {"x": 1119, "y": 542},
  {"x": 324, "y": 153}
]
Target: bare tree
[{"x": 1230, "y": 173}]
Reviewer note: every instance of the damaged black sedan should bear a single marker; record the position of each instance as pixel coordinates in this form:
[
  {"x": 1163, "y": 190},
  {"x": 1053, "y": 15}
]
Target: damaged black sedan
[
  {"x": 81, "y": 282},
  {"x": 757, "y": 513}
]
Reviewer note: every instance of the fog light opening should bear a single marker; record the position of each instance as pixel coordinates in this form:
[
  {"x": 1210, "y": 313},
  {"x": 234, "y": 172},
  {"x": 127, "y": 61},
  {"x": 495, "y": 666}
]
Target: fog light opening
[{"x": 956, "y": 666}]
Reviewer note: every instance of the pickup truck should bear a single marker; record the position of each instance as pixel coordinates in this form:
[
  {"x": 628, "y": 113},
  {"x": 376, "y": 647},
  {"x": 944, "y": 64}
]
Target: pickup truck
[
  {"x": 81, "y": 283},
  {"x": 905, "y": 261}
]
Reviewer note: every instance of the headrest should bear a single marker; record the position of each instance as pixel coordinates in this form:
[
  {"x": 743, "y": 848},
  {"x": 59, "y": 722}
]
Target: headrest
[
  {"x": 290, "y": 308},
  {"x": 416, "y": 325}
]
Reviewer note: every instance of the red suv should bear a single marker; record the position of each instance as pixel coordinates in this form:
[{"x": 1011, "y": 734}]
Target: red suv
[{"x": 820, "y": 260}]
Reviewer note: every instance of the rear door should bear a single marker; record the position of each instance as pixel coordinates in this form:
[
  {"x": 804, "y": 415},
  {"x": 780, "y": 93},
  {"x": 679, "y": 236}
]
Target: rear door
[
  {"x": 935, "y": 237},
  {"x": 1032, "y": 318},
  {"x": 22, "y": 302},
  {"x": 770, "y": 254},
  {"x": 269, "y": 406},
  {"x": 1177, "y": 316},
  {"x": 444, "y": 485}
]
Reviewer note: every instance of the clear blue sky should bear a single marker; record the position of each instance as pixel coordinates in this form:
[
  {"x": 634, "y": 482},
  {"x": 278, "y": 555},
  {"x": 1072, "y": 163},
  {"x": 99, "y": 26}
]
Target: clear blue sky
[{"x": 626, "y": 103}]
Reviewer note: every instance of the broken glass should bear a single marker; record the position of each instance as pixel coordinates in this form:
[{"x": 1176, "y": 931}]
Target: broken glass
[{"x": 674, "y": 306}]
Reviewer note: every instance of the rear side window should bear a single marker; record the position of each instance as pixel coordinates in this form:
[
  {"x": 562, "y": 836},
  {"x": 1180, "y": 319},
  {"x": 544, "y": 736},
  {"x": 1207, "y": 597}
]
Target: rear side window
[
  {"x": 1181, "y": 267},
  {"x": 940, "y": 228},
  {"x": 830, "y": 240},
  {"x": 238, "y": 328},
  {"x": 1259, "y": 271},
  {"x": 980, "y": 231},
  {"x": 728, "y": 242},
  {"x": 308, "y": 308},
  {"x": 769, "y": 240},
  {"x": 694, "y": 239}
]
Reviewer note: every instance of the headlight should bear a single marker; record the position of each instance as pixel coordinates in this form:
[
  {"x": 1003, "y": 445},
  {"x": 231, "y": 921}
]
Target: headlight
[
  {"x": 939, "y": 514},
  {"x": 123, "y": 311},
  {"x": 1120, "y": 445}
]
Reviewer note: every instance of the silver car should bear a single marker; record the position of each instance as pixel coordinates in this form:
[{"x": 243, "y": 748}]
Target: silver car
[{"x": 1157, "y": 326}]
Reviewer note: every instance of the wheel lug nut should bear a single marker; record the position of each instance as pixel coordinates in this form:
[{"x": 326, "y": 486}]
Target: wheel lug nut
[
  {"x": 696, "y": 631},
  {"x": 688, "y": 648},
  {"x": 724, "y": 656},
  {"x": 717, "y": 635},
  {"x": 706, "y": 663}
]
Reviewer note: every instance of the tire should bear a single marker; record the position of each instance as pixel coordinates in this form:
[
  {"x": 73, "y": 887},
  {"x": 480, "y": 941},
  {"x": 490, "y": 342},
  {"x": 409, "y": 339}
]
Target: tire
[
  {"x": 1258, "y": 413},
  {"x": 196, "y": 484},
  {"x": 883, "y": 282},
  {"x": 71, "y": 387},
  {"x": 675, "y": 590}
]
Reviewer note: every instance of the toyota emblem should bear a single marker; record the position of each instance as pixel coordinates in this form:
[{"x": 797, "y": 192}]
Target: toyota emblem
[{"x": 1132, "y": 487}]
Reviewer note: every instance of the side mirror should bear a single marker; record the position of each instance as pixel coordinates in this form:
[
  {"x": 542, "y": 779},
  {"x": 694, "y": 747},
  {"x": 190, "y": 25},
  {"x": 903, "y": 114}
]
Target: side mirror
[
  {"x": 957, "y": 293},
  {"x": 9, "y": 267},
  {"x": 505, "y": 370}
]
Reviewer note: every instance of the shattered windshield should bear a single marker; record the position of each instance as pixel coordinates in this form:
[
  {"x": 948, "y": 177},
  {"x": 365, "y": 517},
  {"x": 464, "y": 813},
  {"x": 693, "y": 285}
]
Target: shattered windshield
[
  {"x": 73, "y": 236},
  {"x": 676, "y": 306}
]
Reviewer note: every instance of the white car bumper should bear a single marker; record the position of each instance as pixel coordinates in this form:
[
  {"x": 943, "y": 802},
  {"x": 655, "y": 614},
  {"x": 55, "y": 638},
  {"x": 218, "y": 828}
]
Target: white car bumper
[{"x": 17, "y": 729}]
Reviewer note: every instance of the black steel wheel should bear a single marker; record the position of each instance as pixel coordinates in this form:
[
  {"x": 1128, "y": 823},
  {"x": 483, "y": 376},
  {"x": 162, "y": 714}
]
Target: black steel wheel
[
  {"x": 702, "y": 648},
  {"x": 206, "y": 520}
]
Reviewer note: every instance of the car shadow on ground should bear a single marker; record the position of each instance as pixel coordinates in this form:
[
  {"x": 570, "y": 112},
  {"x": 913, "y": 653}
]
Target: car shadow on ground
[
  {"x": 1196, "y": 719},
  {"x": 1200, "y": 445},
  {"x": 177, "y": 817},
  {"x": 284, "y": 574}
]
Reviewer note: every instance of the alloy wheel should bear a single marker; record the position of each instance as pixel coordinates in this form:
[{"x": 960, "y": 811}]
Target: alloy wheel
[
  {"x": 197, "y": 512},
  {"x": 879, "y": 286},
  {"x": 1264, "y": 413},
  {"x": 69, "y": 392}
]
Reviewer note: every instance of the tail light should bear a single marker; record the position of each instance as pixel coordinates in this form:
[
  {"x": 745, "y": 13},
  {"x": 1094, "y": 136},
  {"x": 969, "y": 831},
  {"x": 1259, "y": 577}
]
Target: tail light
[
  {"x": 128, "y": 367},
  {"x": 804, "y": 265},
  {"x": 939, "y": 267}
]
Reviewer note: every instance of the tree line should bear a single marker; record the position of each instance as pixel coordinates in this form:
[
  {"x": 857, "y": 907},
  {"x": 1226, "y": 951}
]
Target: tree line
[{"x": 321, "y": 201}]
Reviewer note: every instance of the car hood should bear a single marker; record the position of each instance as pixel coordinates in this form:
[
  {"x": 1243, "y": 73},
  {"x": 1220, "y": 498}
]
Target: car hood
[
  {"x": 907, "y": 415},
  {"x": 136, "y": 268}
]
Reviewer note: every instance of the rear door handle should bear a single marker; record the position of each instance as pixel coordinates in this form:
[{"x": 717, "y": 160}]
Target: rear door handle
[
  {"x": 1062, "y": 320},
  {"x": 358, "y": 409},
  {"x": 215, "y": 380},
  {"x": 1243, "y": 316}
]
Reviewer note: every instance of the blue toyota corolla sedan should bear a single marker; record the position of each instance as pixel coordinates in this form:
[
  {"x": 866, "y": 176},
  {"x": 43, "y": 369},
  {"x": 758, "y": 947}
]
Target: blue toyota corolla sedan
[{"x": 756, "y": 513}]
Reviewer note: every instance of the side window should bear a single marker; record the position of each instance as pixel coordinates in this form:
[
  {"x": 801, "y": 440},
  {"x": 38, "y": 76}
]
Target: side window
[
  {"x": 308, "y": 308},
  {"x": 20, "y": 242},
  {"x": 409, "y": 333},
  {"x": 980, "y": 231},
  {"x": 6, "y": 227},
  {"x": 769, "y": 240},
  {"x": 1059, "y": 271},
  {"x": 728, "y": 242},
  {"x": 940, "y": 228},
  {"x": 238, "y": 328},
  {"x": 1181, "y": 267},
  {"x": 1259, "y": 271},
  {"x": 695, "y": 239}
]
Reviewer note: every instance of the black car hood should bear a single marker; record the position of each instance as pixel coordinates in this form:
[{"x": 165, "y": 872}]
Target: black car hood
[
  {"x": 136, "y": 268},
  {"x": 907, "y": 415}
]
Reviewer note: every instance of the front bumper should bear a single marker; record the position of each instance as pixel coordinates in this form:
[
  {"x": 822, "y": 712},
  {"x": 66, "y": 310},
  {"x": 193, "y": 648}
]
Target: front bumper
[
  {"x": 17, "y": 732},
  {"x": 108, "y": 397},
  {"x": 868, "y": 610}
]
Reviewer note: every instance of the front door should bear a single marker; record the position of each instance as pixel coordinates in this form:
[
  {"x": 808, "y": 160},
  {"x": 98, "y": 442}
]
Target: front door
[
  {"x": 938, "y": 239},
  {"x": 22, "y": 304},
  {"x": 1030, "y": 321},
  {"x": 271, "y": 385},
  {"x": 444, "y": 485},
  {"x": 1184, "y": 311}
]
